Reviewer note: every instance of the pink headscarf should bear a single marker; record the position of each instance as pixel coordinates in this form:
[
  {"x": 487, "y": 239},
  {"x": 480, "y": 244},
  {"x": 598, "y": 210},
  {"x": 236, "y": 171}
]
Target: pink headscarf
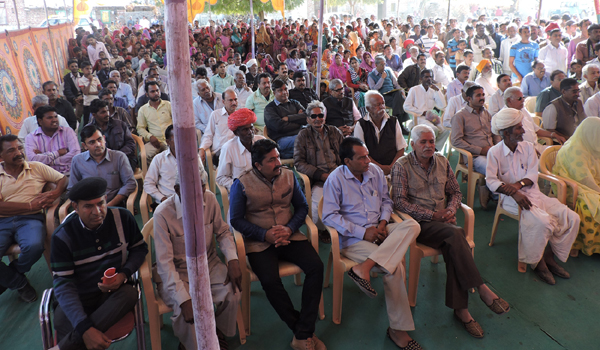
[
  {"x": 338, "y": 72},
  {"x": 364, "y": 64}
]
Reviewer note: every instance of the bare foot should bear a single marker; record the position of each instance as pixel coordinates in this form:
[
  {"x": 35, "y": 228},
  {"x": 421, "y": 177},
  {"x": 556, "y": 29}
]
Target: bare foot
[
  {"x": 401, "y": 338},
  {"x": 464, "y": 315}
]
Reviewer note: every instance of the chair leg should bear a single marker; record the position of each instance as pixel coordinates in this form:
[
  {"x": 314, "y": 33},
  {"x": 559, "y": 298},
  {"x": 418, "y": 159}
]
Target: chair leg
[
  {"x": 298, "y": 279},
  {"x": 139, "y": 325},
  {"x": 495, "y": 225},
  {"x": 338, "y": 289},
  {"x": 472, "y": 186},
  {"x": 321, "y": 308},
  {"x": 522, "y": 267},
  {"x": 246, "y": 303},
  {"x": 413, "y": 276},
  {"x": 435, "y": 259},
  {"x": 328, "y": 271},
  {"x": 240, "y": 324}
]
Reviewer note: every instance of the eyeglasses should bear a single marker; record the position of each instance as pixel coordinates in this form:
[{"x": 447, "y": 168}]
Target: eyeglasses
[
  {"x": 338, "y": 90},
  {"x": 315, "y": 116},
  {"x": 520, "y": 98}
]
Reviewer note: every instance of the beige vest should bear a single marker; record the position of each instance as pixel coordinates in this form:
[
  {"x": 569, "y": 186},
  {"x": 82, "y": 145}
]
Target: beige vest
[
  {"x": 426, "y": 190},
  {"x": 268, "y": 204}
]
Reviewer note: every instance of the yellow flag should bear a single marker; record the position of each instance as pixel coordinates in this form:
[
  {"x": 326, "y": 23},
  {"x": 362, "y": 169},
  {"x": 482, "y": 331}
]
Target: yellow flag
[
  {"x": 279, "y": 5},
  {"x": 195, "y": 7},
  {"x": 81, "y": 8}
]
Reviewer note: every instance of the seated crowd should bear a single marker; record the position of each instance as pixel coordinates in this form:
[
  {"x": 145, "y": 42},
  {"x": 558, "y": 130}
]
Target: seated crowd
[{"x": 491, "y": 90}]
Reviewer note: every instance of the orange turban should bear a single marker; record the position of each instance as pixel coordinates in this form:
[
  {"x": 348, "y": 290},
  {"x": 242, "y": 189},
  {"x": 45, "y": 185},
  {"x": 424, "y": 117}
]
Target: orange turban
[
  {"x": 242, "y": 116},
  {"x": 482, "y": 64}
]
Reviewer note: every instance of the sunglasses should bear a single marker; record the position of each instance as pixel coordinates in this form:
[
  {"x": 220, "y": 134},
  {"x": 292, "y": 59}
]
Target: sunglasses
[
  {"x": 338, "y": 90},
  {"x": 315, "y": 116}
]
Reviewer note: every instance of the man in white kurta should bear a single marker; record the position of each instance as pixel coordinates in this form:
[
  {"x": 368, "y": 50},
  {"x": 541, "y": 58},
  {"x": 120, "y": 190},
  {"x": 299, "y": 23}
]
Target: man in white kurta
[
  {"x": 547, "y": 228},
  {"x": 225, "y": 280},
  {"x": 591, "y": 106},
  {"x": 420, "y": 102},
  {"x": 216, "y": 132},
  {"x": 496, "y": 101},
  {"x": 487, "y": 79}
]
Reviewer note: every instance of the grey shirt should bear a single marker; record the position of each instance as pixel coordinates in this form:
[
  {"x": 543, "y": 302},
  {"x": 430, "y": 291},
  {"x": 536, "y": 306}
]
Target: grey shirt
[
  {"x": 472, "y": 131},
  {"x": 114, "y": 168}
]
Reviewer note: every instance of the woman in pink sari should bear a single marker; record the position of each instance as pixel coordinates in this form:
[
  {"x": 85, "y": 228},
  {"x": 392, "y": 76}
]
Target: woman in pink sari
[
  {"x": 368, "y": 63},
  {"x": 338, "y": 68}
]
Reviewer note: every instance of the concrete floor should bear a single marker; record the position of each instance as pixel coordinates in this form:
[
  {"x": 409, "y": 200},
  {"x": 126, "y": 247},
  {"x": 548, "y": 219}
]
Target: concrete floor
[{"x": 564, "y": 316}]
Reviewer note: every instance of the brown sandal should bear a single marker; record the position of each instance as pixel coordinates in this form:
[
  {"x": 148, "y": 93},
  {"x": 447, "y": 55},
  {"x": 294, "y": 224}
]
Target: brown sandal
[
  {"x": 412, "y": 344},
  {"x": 499, "y": 306},
  {"x": 472, "y": 327}
]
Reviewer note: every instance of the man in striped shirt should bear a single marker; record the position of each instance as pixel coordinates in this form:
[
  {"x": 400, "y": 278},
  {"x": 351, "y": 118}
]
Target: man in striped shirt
[
  {"x": 50, "y": 143},
  {"x": 88, "y": 242},
  {"x": 426, "y": 42}
]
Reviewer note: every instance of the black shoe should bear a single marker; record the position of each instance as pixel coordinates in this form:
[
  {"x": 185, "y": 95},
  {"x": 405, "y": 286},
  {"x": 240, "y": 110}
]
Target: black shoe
[{"x": 28, "y": 293}]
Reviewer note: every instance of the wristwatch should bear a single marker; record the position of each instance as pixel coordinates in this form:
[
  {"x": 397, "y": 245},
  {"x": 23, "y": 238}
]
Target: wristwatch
[{"x": 522, "y": 183}]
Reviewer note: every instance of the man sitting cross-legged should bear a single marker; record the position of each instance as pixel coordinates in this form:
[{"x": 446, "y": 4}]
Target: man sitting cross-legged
[
  {"x": 356, "y": 203},
  {"x": 547, "y": 228},
  {"x": 83, "y": 247},
  {"x": 261, "y": 209},
  {"x": 424, "y": 187},
  {"x": 225, "y": 280}
]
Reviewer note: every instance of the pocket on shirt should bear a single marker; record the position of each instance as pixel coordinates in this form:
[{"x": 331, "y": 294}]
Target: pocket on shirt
[
  {"x": 113, "y": 180},
  {"x": 178, "y": 245}
]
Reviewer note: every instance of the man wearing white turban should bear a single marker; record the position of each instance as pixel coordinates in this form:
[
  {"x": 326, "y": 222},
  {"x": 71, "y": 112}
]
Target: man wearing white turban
[{"x": 547, "y": 228}]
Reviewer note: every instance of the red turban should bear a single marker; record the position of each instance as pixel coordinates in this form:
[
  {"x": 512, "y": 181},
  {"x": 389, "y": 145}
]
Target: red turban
[
  {"x": 242, "y": 116},
  {"x": 407, "y": 42}
]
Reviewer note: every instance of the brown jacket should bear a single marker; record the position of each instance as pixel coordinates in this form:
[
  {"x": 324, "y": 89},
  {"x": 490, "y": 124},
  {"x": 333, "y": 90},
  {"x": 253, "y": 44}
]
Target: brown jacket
[{"x": 305, "y": 150}]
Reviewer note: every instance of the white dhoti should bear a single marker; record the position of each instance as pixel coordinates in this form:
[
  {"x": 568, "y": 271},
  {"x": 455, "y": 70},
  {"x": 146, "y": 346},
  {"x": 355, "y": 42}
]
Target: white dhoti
[
  {"x": 226, "y": 306},
  {"x": 441, "y": 133},
  {"x": 548, "y": 221},
  {"x": 388, "y": 256}
]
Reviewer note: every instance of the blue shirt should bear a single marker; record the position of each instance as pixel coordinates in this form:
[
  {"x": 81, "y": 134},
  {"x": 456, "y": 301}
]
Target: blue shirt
[
  {"x": 452, "y": 45},
  {"x": 524, "y": 54},
  {"x": 531, "y": 85},
  {"x": 351, "y": 206},
  {"x": 124, "y": 91},
  {"x": 237, "y": 212}
]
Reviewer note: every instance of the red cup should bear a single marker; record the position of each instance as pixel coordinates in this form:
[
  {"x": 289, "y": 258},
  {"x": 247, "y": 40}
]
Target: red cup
[{"x": 109, "y": 275}]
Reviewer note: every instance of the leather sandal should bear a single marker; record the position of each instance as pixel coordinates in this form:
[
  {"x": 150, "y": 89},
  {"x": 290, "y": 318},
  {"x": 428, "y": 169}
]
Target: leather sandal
[
  {"x": 545, "y": 276},
  {"x": 472, "y": 327},
  {"x": 498, "y": 306},
  {"x": 412, "y": 344},
  {"x": 558, "y": 271},
  {"x": 363, "y": 284}
]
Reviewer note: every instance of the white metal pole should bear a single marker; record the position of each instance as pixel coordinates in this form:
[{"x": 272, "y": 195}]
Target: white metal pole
[
  {"x": 253, "y": 34},
  {"x": 320, "y": 49}
]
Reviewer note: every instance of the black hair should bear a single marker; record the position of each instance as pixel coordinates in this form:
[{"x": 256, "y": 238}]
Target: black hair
[
  {"x": 535, "y": 63},
  {"x": 555, "y": 73},
  {"x": 260, "y": 149},
  {"x": 425, "y": 71},
  {"x": 500, "y": 77},
  {"x": 565, "y": 84},
  {"x": 148, "y": 83},
  {"x": 276, "y": 84},
  {"x": 467, "y": 51},
  {"x": 462, "y": 68},
  {"x": 85, "y": 64},
  {"x": 216, "y": 65},
  {"x": 40, "y": 111},
  {"x": 262, "y": 76},
  {"x": 48, "y": 83},
  {"x": 281, "y": 64},
  {"x": 88, "y": 131},
  {"x": 419, "y": 56},
  {"x": 201, "y": 72},
  {"x": 347, "y": 147},
  {"x": 168, "y": 132},
  {"x": 298, "y": 75},
  {"x": 119, "y": 65},
  {"x": 72, "y": 60},
  {"x": 7, "y": 138},
  {"x": 471, "y": 91},
  {"x": 98, "y": 104},
  {"x": 108, "y": 81}
]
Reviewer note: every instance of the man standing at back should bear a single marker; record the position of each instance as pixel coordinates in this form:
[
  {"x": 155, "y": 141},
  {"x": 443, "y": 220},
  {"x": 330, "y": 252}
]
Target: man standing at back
[
  {"x": 522, "y": 54},
  {"x": 153, "y": 119}
]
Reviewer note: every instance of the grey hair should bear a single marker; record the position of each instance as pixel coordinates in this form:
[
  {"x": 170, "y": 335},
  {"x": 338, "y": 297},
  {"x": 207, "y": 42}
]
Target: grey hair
[
  {"x": 379, "y": 58},
  {"x": 369, "y": 95},
  {"x": 417, "y": 131},
  {"x": 335, "y": 83},
  {"x": 114, "y": 72},
  {"x": 40, "y": 99},
  {"x": 513, "y": 25},
  {"x": 239, "y": 72},
  {"x": 511, "y": 92},
  {"x": 203, "y": 81},
  {"x": 584, "y": 70},
  {"x": 316, "y": 104}
]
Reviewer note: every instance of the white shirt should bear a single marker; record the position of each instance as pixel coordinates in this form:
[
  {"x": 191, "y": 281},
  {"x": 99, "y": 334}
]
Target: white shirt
[
  {"x": 234, "y": 160},
  {"x": 242, "y": 95},
  {"x": 554, "y": 57},
  {"x": 443, "y": 74},
  {"x": 202, "y": 110},
  {"x": 455, "y": 104},
  {"x": 591, "y": 107},
  {"x": 94, "y": 52},
  {"x": 216, "y": 132},
  {"x": 587, "y": 91},
  {"x": 505, "y": 52},
  {"x": 496, "y": 102},
  {"x": 407, "y": 62},
  {"x": 231, "y": 69},
  {"x": 489, "y": 86},
  {"x": 400, "y": 141},
  {"x": 419, "y": 100},
  {"x": 160, "y": 178},
  {"x": 454, "y": 89},
  {"x": 30, "y": 124}
]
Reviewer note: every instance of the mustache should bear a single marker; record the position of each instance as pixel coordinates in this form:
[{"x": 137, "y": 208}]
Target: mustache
[{"x": 18, "y": 157}]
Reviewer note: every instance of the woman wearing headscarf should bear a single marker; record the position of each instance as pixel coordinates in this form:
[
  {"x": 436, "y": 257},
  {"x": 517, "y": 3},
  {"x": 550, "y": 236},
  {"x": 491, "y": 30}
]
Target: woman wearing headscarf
[
  {"x": 325, "y": 64},
  {"x": 356, "y": 78},
  {"x": 293, "y": 62},
  {"x": 236, "y": 41},
  {"x": 338, "y": 68},
  {"x": 368, "y": 63},
  {"x": 264, "y": 38},
  {"x": 354, "y": 42},
  {"x": 72, "y": 45},
  {"x": 579, "y": 160}
]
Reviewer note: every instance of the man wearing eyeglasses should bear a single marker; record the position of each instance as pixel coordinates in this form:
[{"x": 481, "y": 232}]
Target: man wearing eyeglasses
[
  {"x": 284, "y": 118},
  {"x": 342, "y": 110},
  {"x": 536, "y": 81},
  {"x": 317, "y": 152}
]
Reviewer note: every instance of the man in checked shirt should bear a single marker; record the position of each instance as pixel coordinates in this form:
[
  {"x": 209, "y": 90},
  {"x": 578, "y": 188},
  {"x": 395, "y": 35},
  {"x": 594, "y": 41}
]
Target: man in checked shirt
[{"x": 432, "y": 199}]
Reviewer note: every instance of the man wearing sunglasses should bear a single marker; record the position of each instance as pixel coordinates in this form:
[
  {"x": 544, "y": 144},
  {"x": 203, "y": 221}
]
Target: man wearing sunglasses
[
  {"x": 317, "y": 152},
  {"x": 342, "y": 110}
]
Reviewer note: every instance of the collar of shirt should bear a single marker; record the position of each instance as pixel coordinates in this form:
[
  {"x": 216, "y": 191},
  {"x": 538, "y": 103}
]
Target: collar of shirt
[
  {"x": 258, "y": 94},
  {"x": 25, "y": 167},
  {"x": 89, "y": 229},
  {"x": 473, "y": 111},
  {"x": 507, "y": 150},
  {"x": 415, "y": 161},
  {"x": 242, "y": 148},
  {"x": 39, "y": 131},
  {"x": 177, "y": 201},
  {"x": 88, "y": 156},
  {"x": 314, "y": 130},
  {"x": 348, "y": 175}
]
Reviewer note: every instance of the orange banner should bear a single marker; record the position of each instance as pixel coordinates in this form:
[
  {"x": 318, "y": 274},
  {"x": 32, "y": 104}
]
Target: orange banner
[{"x": 28, "y": 58}]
